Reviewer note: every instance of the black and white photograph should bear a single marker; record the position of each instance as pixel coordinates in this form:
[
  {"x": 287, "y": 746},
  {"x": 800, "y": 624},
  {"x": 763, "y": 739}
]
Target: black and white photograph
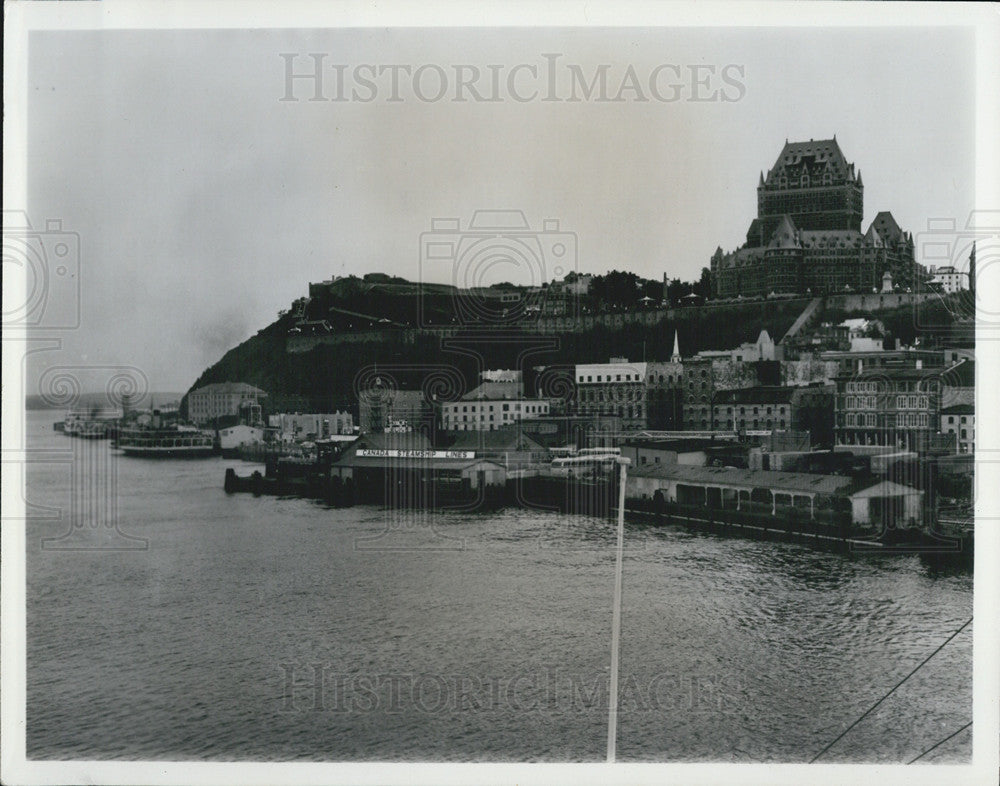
[{"x": 569, "y": 393}]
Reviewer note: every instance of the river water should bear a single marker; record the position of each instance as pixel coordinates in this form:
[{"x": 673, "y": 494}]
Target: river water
[{"x": 192, "y": 625}]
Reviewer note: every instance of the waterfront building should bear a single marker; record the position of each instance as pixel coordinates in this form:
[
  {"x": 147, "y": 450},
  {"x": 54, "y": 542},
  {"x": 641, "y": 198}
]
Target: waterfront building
[
  {"x": 402, "y": 468},
  {"x": 508, "y": 446},
  {"x": 298, "y": 426},
  {"x": 616, "y": 388},
  {"x": 383, "y": 408},
  {"x": 490, "y": 406},
  {"x": 898, "y": 408},
  {"x": 775, "y": 408},
  {"x": 642, "y": 451},
  {"x": 960, "y": 421},
  {"x": 221, "y": 399},
  {"x": 780, "y": 495},
  {"x": 807, "y": 235},
  {"x": 234, "y": 437},
  {"x": 569, "y": 431}
]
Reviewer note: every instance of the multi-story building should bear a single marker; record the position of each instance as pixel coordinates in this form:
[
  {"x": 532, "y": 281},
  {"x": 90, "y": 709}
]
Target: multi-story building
[
  {"x": 850, "y": 362},
  {"x": 960, "y": 420},
  {"x": 807, "y": 235},
  {"x": 948, "y": 278},
  {"x": 664, "y": 395},
  {"x": 776, "y": 408},
  {"x": 896, "y": 408},
  {"x": 297, "y": 426},
  {"x": 616, "y": 388},
  {"x": 221, "y": 399},
  {"x": 697, "y": 393},
  {"x": 382, "y": 408},
  {"x": 491, "y": 406}
]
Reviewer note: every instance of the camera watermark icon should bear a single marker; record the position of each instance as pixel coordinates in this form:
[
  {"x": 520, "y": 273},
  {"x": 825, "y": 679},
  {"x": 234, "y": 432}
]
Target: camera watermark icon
[
  {"x": 92, "y": 519},
  {"x": 498, "y": 269},
  {"x": 41, "y": 271},
  {"x": 964, "y": 259}
]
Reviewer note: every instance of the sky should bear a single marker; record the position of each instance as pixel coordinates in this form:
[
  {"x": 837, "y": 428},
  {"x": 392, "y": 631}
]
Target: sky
[{"x": 204, "y": 203}]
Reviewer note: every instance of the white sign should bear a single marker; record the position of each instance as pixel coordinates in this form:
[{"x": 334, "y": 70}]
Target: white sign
[{"x": 417, "y": 454}]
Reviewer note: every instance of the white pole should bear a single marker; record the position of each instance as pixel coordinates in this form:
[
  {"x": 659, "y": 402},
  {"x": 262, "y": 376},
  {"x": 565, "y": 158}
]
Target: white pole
[{"x": 616, "y": 619}]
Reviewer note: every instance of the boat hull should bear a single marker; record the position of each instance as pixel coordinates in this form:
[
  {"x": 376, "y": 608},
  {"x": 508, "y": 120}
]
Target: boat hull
[{"x": 201, "y": 451}]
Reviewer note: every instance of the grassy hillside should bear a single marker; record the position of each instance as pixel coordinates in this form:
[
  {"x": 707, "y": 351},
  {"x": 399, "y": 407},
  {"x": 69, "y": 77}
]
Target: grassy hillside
[{"x": 326, "y": 374}]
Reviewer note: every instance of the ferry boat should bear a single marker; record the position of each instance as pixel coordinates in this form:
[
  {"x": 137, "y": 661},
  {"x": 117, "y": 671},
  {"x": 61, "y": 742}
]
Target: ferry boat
[
  {"x": 165, "y": 443},
  {"x": 90, "y": 423},
  {"x": 93, "y": 429}
]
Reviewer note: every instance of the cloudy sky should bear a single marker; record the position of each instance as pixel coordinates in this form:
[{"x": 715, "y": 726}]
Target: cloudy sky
[{"x": 204, "y": 203}]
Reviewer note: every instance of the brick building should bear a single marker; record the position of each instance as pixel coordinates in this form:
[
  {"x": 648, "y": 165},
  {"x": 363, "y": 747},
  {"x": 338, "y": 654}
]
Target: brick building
[
  {"x": 896, "y": 408},
  {"x": 776, "y": 408},
  {"x": 616, "y": 388}
]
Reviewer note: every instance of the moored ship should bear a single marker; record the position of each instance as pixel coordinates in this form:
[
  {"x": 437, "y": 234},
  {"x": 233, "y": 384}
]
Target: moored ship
[{"x": 165, "y": 443}]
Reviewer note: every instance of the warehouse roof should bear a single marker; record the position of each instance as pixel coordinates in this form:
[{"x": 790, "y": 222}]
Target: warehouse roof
[{"x": 748, "y": 478}]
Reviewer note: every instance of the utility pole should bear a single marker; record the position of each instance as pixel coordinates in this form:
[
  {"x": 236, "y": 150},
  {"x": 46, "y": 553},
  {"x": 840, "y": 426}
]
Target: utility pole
[{"x": 616, "y": 620}]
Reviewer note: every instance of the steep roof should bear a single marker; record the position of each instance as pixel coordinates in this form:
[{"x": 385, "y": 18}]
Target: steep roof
[
  {"x": 830, "y": 238},
  {"x": 785, "y": 235},
  {"x": 887, "y": 227},
  {"x": 885, "y": 489},
  {"x": 959, "y": 409},
  {"x": 494, "y": 391},
  {"x": 873, "y": 238},
  {"x": 508, "y": 438},
  {"x": 815, "y": 157}
]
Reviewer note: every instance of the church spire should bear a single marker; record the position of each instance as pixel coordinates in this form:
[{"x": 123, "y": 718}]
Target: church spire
[{"x": 676, "y": 357}]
